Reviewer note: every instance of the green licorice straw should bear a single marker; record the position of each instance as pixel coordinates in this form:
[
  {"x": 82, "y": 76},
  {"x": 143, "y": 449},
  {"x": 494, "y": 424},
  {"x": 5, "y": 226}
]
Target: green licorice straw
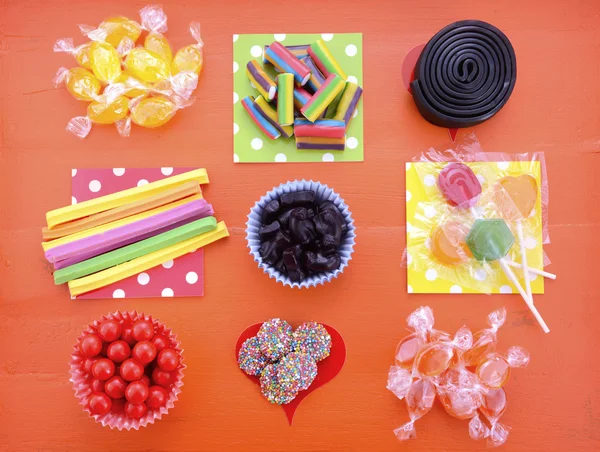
[{"x": 129, "y": 252}]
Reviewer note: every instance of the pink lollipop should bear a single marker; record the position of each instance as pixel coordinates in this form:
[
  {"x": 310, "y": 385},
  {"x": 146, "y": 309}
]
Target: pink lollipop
[{"x": 459, "y": 185}]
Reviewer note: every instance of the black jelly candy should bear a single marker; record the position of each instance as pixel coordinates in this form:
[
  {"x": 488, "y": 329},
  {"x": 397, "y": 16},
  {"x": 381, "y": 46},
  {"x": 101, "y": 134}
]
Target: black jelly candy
[
  {"x": 270, "y": 230},
  {"x": 297, "y": 198}
]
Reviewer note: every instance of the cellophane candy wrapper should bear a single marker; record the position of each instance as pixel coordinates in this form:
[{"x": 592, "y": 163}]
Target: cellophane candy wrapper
[
  {"x": 464, "y": 372},
  {"x": 323, "y": 193},
  {"x": 81, "y": 382}
]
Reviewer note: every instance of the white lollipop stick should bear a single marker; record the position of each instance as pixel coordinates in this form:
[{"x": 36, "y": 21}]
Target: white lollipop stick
[
  {"x": 524, "y": 260},
  {"x": 535, "y": 271},
  {"x": 509, "y": 273}
]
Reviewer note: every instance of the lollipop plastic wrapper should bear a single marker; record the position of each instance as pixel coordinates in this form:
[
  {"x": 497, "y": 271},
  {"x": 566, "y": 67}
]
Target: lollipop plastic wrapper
[
  {"x": 464, "y": 372},
  {"x": 145, "y": 85}
]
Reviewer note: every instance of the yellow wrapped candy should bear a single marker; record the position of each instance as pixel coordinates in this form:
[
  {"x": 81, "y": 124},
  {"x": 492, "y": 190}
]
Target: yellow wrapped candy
[
  {"x": 117, "y": 28},
  {"x": 190, "y": 57},
  {"x": 157, "y": 43},
  {"x": 80, "y": 82},
  {"x": 147, "y": 66},
  {"x": 105, "y": 61},
  {"x": 103, "y": 113},
  {"x": 81, "y": 53},
  {"x": 153, "y": 112},
  {"x": 132, "y": 92}
]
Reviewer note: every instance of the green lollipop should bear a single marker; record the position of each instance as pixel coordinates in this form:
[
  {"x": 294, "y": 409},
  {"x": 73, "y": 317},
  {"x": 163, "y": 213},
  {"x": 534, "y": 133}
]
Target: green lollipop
[{"x": 490, "y": 240}]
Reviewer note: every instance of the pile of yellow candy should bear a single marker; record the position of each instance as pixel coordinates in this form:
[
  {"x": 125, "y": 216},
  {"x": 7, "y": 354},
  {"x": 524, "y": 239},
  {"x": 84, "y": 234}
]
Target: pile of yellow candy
[{"x": 124, "y": 83}]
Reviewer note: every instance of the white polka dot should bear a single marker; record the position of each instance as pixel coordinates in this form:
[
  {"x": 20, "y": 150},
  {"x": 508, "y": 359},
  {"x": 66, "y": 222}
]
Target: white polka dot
[
  {"x": 408, "y": 258},
  {"x": 505, "y": 289},
  {"x": 455, "y": 289},
  {"x": 280, "y": 37},
  {"x": 73, "y": 172},
  {"x": 167, "y": 292},
  {"x": 119, "y": 293},
  {"x": 327, "y": 36},
  {"x": 236, "y": 158},
  {"x": 235, "y": 98},
  {"x": 191, "y": 277},
  {"x": 142, "y": 182},
  {"x": 73, "y": 200},
  {"x": 351, "y": 50},
  {"x": 256, "y": 144},
  {"x": 429, "y": 180},
  {"x": 408, "y": 196},
  {"x": 408, "y": 165},
  {"x": 532, "y": 276},
  {"x": 351, "y": 142},
  {"x": 328, "y": 157},
  {"x": 431, "y": 274},
  {"x": 430, "y": 211},
  {"x": 168, "y": 264},
  {"x": 118, "y": 171},
  {"x": 352, "y": 79},
  {"x": 235, "y": 67},
  {"x": 409, "y": 289},
  {"x": 95, "y": 186},
  {"x": 355, "y": 114},
  {"x": 281, "y": 158},
  {"x": 409, "y": 227},
  {"x": 167, "y": 171},
  {"x": 236, "y": 128},
  {"x": 235, "y": 37},
  {"x": 256, "y": 51},
  {"x": 503, "y": 165},
  {"x": 480, "y": 179},
  {"x": 480, "y": 274},
  {"x": 143, "y": 279},
  {"x": 530, "y": 243}
]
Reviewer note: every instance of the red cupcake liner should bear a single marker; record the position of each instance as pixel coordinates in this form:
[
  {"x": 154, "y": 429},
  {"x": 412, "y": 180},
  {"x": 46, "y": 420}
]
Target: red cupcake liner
[{"x": 81, "y": 380}]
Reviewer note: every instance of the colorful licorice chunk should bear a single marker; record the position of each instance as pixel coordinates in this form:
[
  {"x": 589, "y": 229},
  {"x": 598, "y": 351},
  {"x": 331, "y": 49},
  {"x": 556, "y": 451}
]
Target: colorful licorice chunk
[
  {"x": 285, "y": 61},
  {"x": 348, "y": 103},
  {"x": 316, "y": 76},
  {"x": 323, "y": 97},
  {"x": 258, "y": 119},
  {"x": 323, "y": 128},
  {"x": 261, "y": 80},
  {"x": 325, "y": 61},
  {"x": 270, "y": 114},
  {"x": 319, "y": 143},
  {"x": 301, "y": 96},
  {"x": 285, "y": 99}
]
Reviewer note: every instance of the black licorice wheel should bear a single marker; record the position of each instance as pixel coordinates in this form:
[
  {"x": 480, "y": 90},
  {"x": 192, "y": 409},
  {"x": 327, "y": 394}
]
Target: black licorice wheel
[{"x": 465, "y": 74}]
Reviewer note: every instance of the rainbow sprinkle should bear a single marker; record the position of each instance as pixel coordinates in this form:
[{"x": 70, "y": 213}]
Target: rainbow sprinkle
[
  {"x": 298, "y": 366},
  {"x": 250, "y": 359},
  {"x": 277, "y": 386},
  {"x": 313, "y": 339},
  {"x": 275, "y": 338}
]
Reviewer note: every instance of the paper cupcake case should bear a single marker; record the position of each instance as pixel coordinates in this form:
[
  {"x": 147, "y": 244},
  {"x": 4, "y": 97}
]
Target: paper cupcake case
[
  {"x": 81, "y": 383},
  {"x": 323, "y": 193}
]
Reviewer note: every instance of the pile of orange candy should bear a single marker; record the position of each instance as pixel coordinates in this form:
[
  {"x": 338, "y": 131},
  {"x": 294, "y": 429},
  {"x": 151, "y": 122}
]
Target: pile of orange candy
[
  {"x": 465, "y": 372},
  {"x": 144, "y": 84}
]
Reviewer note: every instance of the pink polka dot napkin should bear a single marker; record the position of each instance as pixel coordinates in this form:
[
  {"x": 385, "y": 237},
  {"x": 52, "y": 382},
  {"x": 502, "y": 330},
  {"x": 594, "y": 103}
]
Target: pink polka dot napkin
[{"x": 182, "y": 277}]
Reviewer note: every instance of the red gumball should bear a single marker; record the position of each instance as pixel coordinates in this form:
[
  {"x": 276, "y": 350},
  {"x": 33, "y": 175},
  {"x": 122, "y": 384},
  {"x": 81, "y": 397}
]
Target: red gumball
[
  {"x": 119, "y": 351},
  {"x": 118, "y": 406},
  {"x": 157, "y": 397},
  {"x": 90, "y": 345},
  {"x": 136, "y": 392},
  {"x": 162, "y": 377},
  {"x": 126, "y": 334},
  {"x": 99, "y": 403},
  {"x": 97, "y": 385},
  {"x": 109, "y": 330},
  {"x": 131, "y": 370},
  {"x": 146, "y": 380},
  {"x": 168, "y": 359},
  {"x": 115, "y": 387},
  {"x": 103, "y": 369},
  {"x": 135, "y": 410},
  {"x": 142, "y": 330},
  {"x": 160, "y": 342},
  {"x": 144, "y": 352},
  {"x": 87, "y": 365}
]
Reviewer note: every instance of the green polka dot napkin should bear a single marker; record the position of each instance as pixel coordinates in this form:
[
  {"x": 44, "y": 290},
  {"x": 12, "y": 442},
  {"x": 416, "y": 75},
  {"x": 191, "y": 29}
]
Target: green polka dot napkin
[{"x": 250, "y": 145}]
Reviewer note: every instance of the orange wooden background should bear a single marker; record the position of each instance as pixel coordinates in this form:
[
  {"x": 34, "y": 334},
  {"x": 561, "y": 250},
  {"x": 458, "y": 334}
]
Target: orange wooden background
[{"x": 554, "y": 404}]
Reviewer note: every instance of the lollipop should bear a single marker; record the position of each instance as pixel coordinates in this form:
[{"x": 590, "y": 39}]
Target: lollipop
[
  {"x": 459, "y": 185},
  {"x": 491, "y": 240},
  {"x": 448, "y": 245}
]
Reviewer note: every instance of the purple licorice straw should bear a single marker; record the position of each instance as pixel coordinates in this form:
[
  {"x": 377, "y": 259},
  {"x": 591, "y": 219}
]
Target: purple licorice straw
[{"x": 88, "y": 247}]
